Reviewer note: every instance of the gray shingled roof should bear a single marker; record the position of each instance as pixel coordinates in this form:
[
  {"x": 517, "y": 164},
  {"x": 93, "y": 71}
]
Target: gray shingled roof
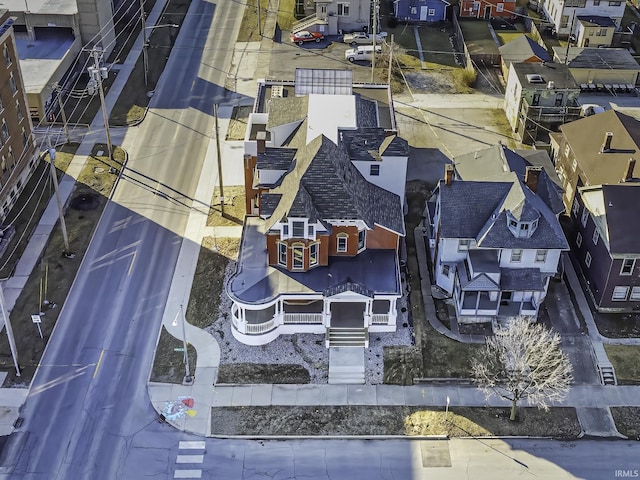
[
  {"x": 368, "y": 144},
  {"x": 366, "y": 112},
  {"x": 521, "y": 279},
  {"x": 622, "y": 217},
  {"x": 551, "y": 72},
  {"x": 599, "y": 58},
  {"x": 478, "y": 210},
  {"x": 268, "y": 203},
  {"x": 596, "y": 21},
  {"x": 275, "y": 158},
  {"x": 521, "y": 49},
  {"x": 325, "y": 185},
  {"x": 496, "y": 164}
]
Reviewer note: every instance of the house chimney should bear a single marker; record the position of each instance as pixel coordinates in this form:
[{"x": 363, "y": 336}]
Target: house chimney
[
  {"x": 448, "y": 174},
  {"x": 606, "y": 146},
  {"x": 628, "y": 174},
  {"x": 531, "y": 178},
  {"x": 261, "y": 140}
]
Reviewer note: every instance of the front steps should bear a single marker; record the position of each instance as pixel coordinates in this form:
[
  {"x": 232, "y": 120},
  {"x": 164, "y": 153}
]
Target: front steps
[
  {"x": 346, "y": 365},
  {"x": 347, "y": 337}
]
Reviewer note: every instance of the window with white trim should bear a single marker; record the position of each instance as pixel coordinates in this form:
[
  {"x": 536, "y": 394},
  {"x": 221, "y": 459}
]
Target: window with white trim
[
  {"x": 285, "y": 230},
  {"x": 343, "y": 9},
  {"x": 12, "y": 82},
  {"x": 579, "y": 240},
  {"x": 596, "y": 237},
  {"x": 516, "y": 255},
  {"x": 313, "y": 254},
  {"x": 19, "y": 111},
  {"x": 310, "y": 231},
  {"x": 5, "y": 131},
  {"x": 585, "y": 216},
  {"x": 620, "y": 294},
  {"x": 635, "y": 294},
  {"x": 627, "y": 267},
  {"x": 567, "y": 150},
  {"x": 374, "y": 170},
  {"x": 463, "y": 245},
  {"x": 500, "y": 7},
  {"x": 297, "y": 251},
  {"x": 446, "y": 269},
  {"x": 587, "y": 260},
  {"x": 361, "y": 238},
  {"x": 297, "y": 229},
  {"x": 282, "y": 254},
  {"x": 342, "y": 238},
  {"x": 431, "y": 12},
  {"x": 574, "y": 164},
  {"x": 541, "y": 256},
  {"x": 7, "y": 56}
]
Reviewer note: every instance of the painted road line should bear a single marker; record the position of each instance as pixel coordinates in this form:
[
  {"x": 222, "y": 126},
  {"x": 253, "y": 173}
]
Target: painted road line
[
  {"x": 187, "y": 474},
  {"x": 95, "y": 372},
  {"x": 192, "y": 445},
  {"x": 190, "y": 459}
]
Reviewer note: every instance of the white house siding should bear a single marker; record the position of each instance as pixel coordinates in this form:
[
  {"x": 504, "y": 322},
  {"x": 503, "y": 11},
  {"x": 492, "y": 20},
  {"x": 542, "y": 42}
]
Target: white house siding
[
  {"x": 528, "y": 260},
  {"x": 512, "y": 97},
  {"x": 392, "y": 177},
  {"x": 554, "y": 11}
]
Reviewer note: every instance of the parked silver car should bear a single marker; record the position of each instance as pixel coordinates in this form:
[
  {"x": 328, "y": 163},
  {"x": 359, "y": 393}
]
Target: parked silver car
[{"x": 363, "y": 38}]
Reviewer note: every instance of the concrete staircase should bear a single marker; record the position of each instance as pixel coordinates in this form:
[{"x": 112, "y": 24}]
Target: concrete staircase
[
  {"x": 346, "y": 365},
  {"x": 307, "y": 22},
  {"x": 347, "y": 337},
  {"x": 605, "y": 368}
]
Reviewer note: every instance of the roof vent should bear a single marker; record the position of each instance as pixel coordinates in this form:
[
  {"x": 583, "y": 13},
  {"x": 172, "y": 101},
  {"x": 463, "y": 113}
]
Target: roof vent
[{"x": 534, "y": 78}]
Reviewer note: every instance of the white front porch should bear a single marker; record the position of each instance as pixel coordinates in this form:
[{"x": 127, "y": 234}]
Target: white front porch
[{"x": 259, "y": 325}]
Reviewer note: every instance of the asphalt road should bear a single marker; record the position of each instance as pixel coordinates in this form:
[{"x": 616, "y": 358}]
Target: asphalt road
[{"x": 88, "y": 402}]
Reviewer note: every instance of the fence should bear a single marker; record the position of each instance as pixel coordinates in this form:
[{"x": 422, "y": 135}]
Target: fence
[{"x": 460, "y": 45}]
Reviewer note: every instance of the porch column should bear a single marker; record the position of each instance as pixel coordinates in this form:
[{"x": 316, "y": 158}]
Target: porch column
[
  {"x": 393, "y": 313},
  {"x": 278, "y": 315},
  {"x": 326, "y": 312},
  {"x": 477, "y": 301}
]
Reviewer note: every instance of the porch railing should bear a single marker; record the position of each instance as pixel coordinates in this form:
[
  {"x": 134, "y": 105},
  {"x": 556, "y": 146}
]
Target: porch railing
[
  {"x": 305, "y": 318},
  {"x": 380, "y": 318},
  {"x": 257, "y": 328}
]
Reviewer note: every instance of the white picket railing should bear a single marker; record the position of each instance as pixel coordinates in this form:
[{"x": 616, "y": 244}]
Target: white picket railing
[{"x": 305, "y": 318}]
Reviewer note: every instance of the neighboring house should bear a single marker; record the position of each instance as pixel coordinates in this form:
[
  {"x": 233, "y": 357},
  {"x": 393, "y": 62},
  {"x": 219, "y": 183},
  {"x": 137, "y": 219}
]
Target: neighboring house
[
  {"x": 605, "y": 241},
  {"x": 540, "y": 97},
  {"x": 17, "y": 158},
  {"x": 564, "y": 14},
  {"x": 521, "y": 50},
  {"x": 494, "y": 235},
  {"x": 595, "y": 31},
  {"x": 325, "y": 176},
  {"x": 421, "y": 10},
  {"x": 599, "y": 68},
  {"x": 592, "y": 155},
  {"x": 487, "y": 9},
  {"x": 334, "y": 18}
]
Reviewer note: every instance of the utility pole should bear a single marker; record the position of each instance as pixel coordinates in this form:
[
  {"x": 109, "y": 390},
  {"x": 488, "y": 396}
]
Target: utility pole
[
  {"x": 215, "y": 112},
  {"x": 259, "y": 23},
  {"x": 65, "y": 124},
  {"x": 390, "y": 61},
  {"x": 7, "y": 326},
  {"x": 145, "y": 55},
  {"x": 54, "y": 179},
  {"x": 97, "y": 73},
  {"x": 188, "y": 379},
  {"x": 375, "y": 33}
]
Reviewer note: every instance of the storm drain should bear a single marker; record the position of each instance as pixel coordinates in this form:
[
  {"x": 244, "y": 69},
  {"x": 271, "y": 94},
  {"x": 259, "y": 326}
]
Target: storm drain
[
  {"x": 435, "y": 453},
  {"x": 85, "y": 202}
]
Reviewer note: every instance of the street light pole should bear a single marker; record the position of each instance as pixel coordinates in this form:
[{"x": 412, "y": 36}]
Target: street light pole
[
  {"x": 188, "y": 379},
  {"x": 62, "y": 112},
  {"x": 215, "y": 112},
  {"x": 97, "y": 73},
  {"x": 145, "y": 58},
  {"x": 54, "y": 179}
]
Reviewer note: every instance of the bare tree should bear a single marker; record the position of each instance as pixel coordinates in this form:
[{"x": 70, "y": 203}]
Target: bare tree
[{"x": 523, "y": 361}]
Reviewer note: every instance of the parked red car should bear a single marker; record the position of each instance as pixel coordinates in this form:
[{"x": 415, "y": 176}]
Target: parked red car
[{"x": 305, "y": 36}]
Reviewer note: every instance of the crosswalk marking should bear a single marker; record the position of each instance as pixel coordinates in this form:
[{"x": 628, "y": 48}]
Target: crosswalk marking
[
  {"x": 191, "y": 445},
  {"x": 187, "y": 474},
  {"x": 190, "y": 459}
]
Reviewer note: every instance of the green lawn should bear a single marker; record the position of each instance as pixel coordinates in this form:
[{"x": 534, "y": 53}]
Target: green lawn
[
  {"x": 477, "y": 37},
  {"x": 626, "y": 361}
]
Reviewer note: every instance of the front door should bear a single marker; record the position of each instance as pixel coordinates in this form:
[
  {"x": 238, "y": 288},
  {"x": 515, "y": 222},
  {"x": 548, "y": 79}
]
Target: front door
[
  {"x": 487, "y": 12},
  {"x": 423, "y": 13}
]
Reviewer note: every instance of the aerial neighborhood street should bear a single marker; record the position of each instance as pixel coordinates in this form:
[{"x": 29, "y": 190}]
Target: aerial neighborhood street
[{"x": 328, "y": 240}]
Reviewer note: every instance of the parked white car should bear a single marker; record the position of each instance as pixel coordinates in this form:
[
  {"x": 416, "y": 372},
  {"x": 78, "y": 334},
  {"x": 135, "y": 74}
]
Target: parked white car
[
  {"x": 362, "y": 38},
  {"x": 362, "y": 52}
]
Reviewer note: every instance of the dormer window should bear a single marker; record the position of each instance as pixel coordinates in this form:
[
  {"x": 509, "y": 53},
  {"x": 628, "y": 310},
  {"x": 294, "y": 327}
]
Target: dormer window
[
  {"x": 361, "y": 238},
  {"x": 521, "y": 228},
  {"x": 341, "y": 239},
  {"x": 297, "y": 229}
]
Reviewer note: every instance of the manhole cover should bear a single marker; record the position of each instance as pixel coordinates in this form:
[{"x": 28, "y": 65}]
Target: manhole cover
[{"x": 84, "y": 202}]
